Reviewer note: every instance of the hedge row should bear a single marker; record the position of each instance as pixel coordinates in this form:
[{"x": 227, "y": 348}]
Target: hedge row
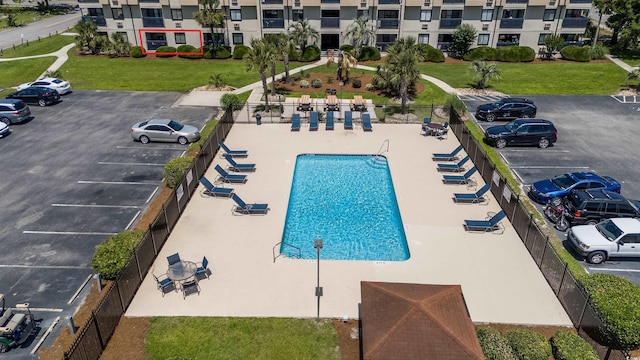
[
  {"x": 505, "y": 54},
  {"x": 112, "y": 255},
  {"x": 576, "y": 53},
  {"x": 429, "y": 53}
]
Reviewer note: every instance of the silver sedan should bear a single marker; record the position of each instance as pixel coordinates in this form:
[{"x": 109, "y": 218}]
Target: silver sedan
[{"x": 164, "y": 130}]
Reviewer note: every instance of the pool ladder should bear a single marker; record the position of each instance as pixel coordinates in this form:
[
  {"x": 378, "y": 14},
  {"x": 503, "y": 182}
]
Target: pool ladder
[
  {"x": 296, "y": 255},
  {"x": 381, "y": 151}
]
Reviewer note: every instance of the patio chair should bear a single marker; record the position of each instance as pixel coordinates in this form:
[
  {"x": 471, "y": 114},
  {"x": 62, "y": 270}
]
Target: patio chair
[
  {"x": 490, "y": 225},
  {"x": 452, "y": 156},
  {"x": 234, "y": 166},
  {"x": 165, "y": 284},
  {"x": 212, "y": 190},
  {"x": 249, "y": 209},
  {"x": 203, "y": 268},
  {"x": 478, "y": 197},
  {"x": 366, "y": 122},
  {"x": 348, "y": 120},
  {"x": 426, "y": 131},
  {"x": 444, "y": 132},
  {"x": 190, "y": 286},
  {"x": 330, "y": 120},
  {"x": 234, "y": 153},
  {"x": 459, "y": 179},
  {"x": 295, "y": 122},
  {"x": 426, "y": 121},
  {"x": 457, "y": 167},
  {"x": 230, "y": 178},
  {"x": 313, "y": 121},
  {"x": 173, "y": 259}
]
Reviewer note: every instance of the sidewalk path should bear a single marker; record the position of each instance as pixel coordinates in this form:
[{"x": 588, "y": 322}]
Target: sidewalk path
[
  {"x": 622, "y": 64},
  {"x": 61, "y": 56}
]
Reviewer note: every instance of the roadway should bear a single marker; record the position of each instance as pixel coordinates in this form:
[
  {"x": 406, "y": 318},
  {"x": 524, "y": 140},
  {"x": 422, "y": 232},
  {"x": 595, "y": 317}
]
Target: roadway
[{"x": 42, "y": 28}]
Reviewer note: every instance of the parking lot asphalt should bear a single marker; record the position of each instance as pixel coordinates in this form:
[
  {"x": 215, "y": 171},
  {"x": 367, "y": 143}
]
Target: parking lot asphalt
[
  {"x": 595, "y": 133},
  {"x": 71, "y": 177}
]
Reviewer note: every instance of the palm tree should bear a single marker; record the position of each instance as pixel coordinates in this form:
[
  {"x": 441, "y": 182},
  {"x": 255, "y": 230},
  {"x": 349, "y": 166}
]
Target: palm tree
[
  {"x": 345, "y": 61},
  {"x": 119, "y": 45},
  {"x": 284, "y": 46},
  {"x": 216, "y": 80},
  {"x": 361, "y": 34},
  {"x": 484, "y": 72},
  {"x": 401, "y": 64},
  {"x": 86, "y": 31},
  {"x": 302, "y": 33},
  {"x": 210, "y": 15},
  {"x": 632, "y": 75},
  {"x": 259, "y": 58}
]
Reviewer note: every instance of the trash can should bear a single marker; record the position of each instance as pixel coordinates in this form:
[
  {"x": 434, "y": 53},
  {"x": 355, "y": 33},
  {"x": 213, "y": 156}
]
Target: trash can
[{"x": 258, "y": 119}]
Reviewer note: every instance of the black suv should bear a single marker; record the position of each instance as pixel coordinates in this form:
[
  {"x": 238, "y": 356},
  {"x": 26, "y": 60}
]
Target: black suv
[
  {"x": 507, "y": 109},
  {"x": 591, "y": 206},
  {"x": 522, "y": 132},
  {"x": 36, "y": 95}
]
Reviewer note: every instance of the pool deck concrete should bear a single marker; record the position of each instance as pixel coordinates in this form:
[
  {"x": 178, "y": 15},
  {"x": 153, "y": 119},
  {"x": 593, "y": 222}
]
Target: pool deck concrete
[{"x": 500, "y": 281}]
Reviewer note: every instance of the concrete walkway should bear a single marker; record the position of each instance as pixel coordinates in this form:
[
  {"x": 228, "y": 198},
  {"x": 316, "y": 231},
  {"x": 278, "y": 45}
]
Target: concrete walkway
[
  {"x": 622, "y": 64},
  {"x": 61, "y": 57}
]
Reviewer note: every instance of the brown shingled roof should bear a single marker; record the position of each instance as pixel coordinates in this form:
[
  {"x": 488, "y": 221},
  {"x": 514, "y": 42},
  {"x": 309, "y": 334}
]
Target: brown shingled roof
[{"x": 416, "y": 321}]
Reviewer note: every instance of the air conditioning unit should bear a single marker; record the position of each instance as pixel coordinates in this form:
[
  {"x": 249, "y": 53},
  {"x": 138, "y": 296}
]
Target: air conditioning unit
[
  {"x": 427, "y": 3},
  {"x": 178, "y": 25},
  {"x": 119, "y": 24},
  {"x": 296, "y": 3},
  {"x": 552, "y": 3},
  {"x": 547, "y": 26},
  {"x": 234, "y": 2},
  {"x": 236, "y": 27},
  {"x": 485, "y": 27},
  {"x": 114, "y": 2},
  {"x": 363, "y": 4},
  {"x": 489, "y": 3},
  {"x": 425, "y": 26}
]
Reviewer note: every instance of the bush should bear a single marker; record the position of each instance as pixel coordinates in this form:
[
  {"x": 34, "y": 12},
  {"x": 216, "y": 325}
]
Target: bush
[
  {"x": 311, "y": 53},
  {"x": 576, "y": 53},
  {"x": 175, "y": 169},
  {"x": 597, "y": 52},
  {"x": 304, "y": 84},
  {"x": 169, "y": 50},
  {"x": 569, "y": 346},
  {"x": 516, "y": 54},
  {"x": 136, "y": 52},
  {"x": 494, "y": 345},
  {"x": 482, "y": 53},
  {"x": 221, "y": 52},
  {"x": 429, "y": 53},
  {"x": 346, "y": 47},
  {"x": 229, "y": 99},
  {"x": 369, "y": 87},
  {"x": 240, "y": 51},
  {"x": 189, "y": 49},
  {"x": 369, "y": 53},
  {"x": 316, "y": 83},
  {"x": 529, "y": 345},
  {"x": 356, "y": 83},
  {"x": 113, "y": 254}
]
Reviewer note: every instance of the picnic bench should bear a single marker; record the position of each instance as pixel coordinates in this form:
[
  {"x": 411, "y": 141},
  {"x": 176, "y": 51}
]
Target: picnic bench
[
  {"x": 304, "y": 103},
  {"x": 331, "y": 103},
  {"x": 358, "y": 104}
]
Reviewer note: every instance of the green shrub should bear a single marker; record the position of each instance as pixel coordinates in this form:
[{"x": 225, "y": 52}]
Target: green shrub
[
  {"x": 189, "y": 49},
  {"x": 346, "y": 47},
  {"x": 494, "y": 345},
  {"x": 311, "y": 53},
  {"x": 567, "y": 345},
  {"x": 169, "y": 50},
  {"x": 175, "y": 169},
  {"x": 429, "y": 53},
  {"x": 316, "y": 83},
  {"x": 576, "y": 53},
  {"x": 516, "y": 54},
  {"x": 528, "y": 344},
  {"x": 482, "y": 53},
  {"x": 369, "y": 87},
  {"x": 136, "y": 52},
  {"x": 369, "y": 53},
  {"x": 229, "y": 99},
  {"x": 304, "y": 84},
  {"x": 597, "y": 52},
  {"x": 240, "y": 51},
  {"x": 221, "y": 52},
  {"x": 618, "y": 302},
  {"x": 113, "y": 254},
  {"x": 357, "y": 83}
]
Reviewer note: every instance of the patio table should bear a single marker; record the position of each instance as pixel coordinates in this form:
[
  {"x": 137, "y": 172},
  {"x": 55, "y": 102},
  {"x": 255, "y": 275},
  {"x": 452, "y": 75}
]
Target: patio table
[{"x": 182, "y": 270}]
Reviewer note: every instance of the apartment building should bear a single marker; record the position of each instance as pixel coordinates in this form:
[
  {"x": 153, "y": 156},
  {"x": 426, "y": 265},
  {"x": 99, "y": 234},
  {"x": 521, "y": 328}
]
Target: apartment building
[{"x": 153, "y": 23}]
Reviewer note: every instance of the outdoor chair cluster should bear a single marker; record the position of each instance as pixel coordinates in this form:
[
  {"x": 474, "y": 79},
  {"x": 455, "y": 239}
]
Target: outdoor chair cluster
[
  {"x": 433, "y": 129},
  {"x": 189, "y": 285}
]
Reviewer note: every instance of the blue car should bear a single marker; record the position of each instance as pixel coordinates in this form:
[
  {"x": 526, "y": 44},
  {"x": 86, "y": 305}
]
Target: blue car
[{"x": 553, "y": 190}]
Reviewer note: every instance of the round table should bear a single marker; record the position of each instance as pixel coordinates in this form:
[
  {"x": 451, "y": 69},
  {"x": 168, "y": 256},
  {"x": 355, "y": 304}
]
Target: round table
[{"x": 182, "y": 270}]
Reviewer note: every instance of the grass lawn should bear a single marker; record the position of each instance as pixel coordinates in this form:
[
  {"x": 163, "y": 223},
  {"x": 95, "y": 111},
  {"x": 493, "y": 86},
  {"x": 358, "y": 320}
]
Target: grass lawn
[
  {"x": 240, "y": 338},
  {"x": 44, "y": 46},
  {"x": 14, "y": 73},
  {"x": 25, "y": 17},
  {"x": 597, "y": 78},
  {"x": 630, "y": 57}
]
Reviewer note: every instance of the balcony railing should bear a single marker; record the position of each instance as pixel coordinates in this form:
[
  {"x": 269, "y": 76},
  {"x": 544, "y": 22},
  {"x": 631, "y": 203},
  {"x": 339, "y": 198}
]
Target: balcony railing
[
  {"x": 511, "y": 23},
  {"x": 154, "y": 44},
  {"x": 444, "y": 46},
  {"x": 453, "y": 2},
  {"x": 580, "y": 22},
  {"x": 383, "y": 45},
  {"x": 149, "y": 1},
  {"x": 273, "y": 23},
  {"x": 388, "y": 2},
  {"x": 98, "y": 20},
  {"x": 580, "y": 1},
  {"x": 330, "y": 22},
  {"x": 517, "y": 2},
  {"x": 507, "y": 43},
  {"x": 88, "y": 1},
  {"x": 152, "y": 22},
  {"x": 450, "y": 23},
  {"x": 329, "y": 1},
  {"x": 388, "y": 24},
  {"x": 272, "y": 2}
]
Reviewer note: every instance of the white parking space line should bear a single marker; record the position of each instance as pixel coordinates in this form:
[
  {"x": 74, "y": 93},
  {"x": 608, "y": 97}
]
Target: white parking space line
[
  {"x": 119, "y": 163},
  {"x": 133, "y": 219},
  {"x": 624, "y": 99},
  {"x": 614, "y": 270},
  {"x": 151, "y": 148},
  {"x": 98, "y": 206},
  {"x": 117, "y": 182},
  {"x": 68, "y": 233},
  {"x": 152, "y": 195}
]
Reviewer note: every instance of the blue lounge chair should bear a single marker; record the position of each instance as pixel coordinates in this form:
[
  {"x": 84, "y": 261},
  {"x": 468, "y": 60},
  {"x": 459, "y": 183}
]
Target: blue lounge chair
[
  {"x": 239, "y": 153},
  {"x": 329, "y": 123},
  {"x": 313, "y": 121},
  {"x": 457, "y": 167},
  {"x": 452, "y": 156},
  {"x": 490, "y": 225},
  {"x": 460, "y": 179},
  {"x": 476, "y": 198},
  {"x": 212, "y": 190},
  {"x": 230, "y": 178},
  {"x": 234, "y": 166},
  {"x": 348, "y": 120},
  {"x": 366, "y": 122},
  {"x": 251, "y": 209},
  {"x": 295, "y": 122}
]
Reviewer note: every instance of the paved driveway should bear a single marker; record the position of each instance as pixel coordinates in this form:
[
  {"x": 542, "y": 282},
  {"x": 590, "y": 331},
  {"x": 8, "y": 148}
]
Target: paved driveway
[
  {"x": 594, "y": 134},
  {"x": 70, "y": 178}
]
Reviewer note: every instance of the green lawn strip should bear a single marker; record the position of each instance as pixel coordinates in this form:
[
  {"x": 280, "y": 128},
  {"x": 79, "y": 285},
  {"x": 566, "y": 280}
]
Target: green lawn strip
[
  {"x": 598, "y": 78},
  {"x": 244, "y": 96},
  {"x": 14, "y": 73},
  {"x": 204, "y": 134},
  {"x": 24, "y": 17},
  {"x": 629, "y": 56},
  {"x": 38, "y": 47},
  {"x": 240, "y": 338}
]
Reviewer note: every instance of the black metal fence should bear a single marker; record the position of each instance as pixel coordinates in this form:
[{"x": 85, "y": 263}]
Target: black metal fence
[
  {"x": 93, "y": 336},
  {"x": 571, "y": 294}
]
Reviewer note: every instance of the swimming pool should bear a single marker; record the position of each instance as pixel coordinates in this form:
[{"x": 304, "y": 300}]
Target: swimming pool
[{"x": 349, "y": 202}]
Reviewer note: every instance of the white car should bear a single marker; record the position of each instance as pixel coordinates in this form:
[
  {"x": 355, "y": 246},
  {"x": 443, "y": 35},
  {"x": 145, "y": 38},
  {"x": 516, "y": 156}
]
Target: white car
[
  {"x": 4, "y": 129},
  {"x": 617, "y": 237},
  {"x": 59, "y": 85}
]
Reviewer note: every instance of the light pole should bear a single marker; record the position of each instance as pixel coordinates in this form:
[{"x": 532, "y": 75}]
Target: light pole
[
  {"x": 317, "y": 244},
  {"x": 341, "y": 83}
]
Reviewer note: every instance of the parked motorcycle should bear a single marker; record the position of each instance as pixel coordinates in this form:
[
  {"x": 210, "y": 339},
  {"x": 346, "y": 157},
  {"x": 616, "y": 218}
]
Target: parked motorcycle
[{"x": 557, "y": 214}]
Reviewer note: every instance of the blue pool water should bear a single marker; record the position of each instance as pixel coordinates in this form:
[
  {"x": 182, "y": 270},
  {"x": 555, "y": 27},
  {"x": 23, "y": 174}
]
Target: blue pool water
[{"x": 349, "y": 202}]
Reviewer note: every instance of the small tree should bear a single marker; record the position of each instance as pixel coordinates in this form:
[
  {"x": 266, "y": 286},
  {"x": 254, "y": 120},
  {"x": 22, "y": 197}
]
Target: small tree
[
  {"x": 345, "y": 61},
  {"x": 361, "y": 34},
  {"x": 483, "y": 72},
  {"x": 303, "y": 34},
  {"x": 553, "y": 44},
  {"x": 119, "y": 45},
  {"x": 635, "y": 74},
  {"x": 463, "y": 37},
  {"x": 216, "y": 80}
]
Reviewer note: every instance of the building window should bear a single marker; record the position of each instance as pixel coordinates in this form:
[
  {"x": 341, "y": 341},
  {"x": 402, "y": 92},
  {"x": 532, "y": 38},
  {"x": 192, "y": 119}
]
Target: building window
[
  {"x": 297, "y": 15},
  {"x": 362, "y": 13},
  {"x": 423, "y": 38},
  {"x": 236, "y": 15},
  {"x": 549, "y": 15},
  {"x": 513, "y": 14},
  {"x": 117, "y": 14},
  {"x": 487, "y": 14},
  {"x": 181, "y": 38},
  {"x": 542, "y": 37},
  {"x": 176, "y": 14},
  {"x": 483, "y": 39},
  {"x": 153, "y": 13},
  {"x": 508, "y": 40},
  {"x": 425, "y": 15},
  {"x": 95, "y": 12},
  {"x": 238, "y": 39},
  {"x": 576, "y": 13}
]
